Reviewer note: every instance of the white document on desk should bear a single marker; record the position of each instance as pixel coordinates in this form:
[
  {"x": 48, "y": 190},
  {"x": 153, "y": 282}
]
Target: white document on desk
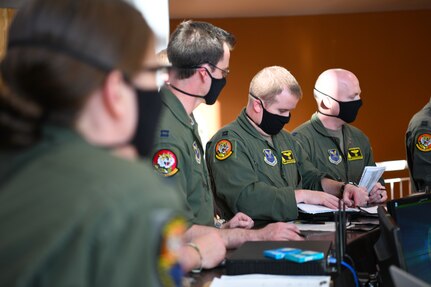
[
  {"x": 316, "y": 209},
  {"x": 263, "y": 280},
  {"x": 370, "y": 176}
]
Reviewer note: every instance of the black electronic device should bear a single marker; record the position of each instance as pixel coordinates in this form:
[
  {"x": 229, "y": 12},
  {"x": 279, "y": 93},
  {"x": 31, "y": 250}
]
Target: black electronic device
[
  {"x": 388, "y": 246},
  {"x": 249, "y": 258},
  {"x": 413, "y": 217}
]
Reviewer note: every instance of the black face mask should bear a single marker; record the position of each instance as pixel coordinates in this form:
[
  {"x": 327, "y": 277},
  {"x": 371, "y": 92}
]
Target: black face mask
[
  {"x": 149, "y": 107},
  {"x": 271, "y": 123},
  {"x": 211, "y": 97},
  {"x": 348, "y": 110}
]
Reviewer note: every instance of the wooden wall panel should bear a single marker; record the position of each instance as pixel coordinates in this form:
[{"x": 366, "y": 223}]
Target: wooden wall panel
[
  {"x": 6, "y": 16},
  {"x": 389, "y": 52}
]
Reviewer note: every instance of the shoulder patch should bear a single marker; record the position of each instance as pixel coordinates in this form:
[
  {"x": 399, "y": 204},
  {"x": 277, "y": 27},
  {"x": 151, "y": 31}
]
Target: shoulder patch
[
  {"x": 223, "y": 149},
  {"x": 165, "y": 162},
  {"x": 169, "y": 268},
  {"x": 423, "y": 142}
]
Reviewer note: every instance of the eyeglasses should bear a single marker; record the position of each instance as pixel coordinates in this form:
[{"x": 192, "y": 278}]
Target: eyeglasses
[{"x": 223, "y": 71}]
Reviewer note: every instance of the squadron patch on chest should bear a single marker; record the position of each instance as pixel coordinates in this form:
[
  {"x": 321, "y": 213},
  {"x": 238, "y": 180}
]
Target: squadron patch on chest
[
  {"x": 197, "y": 152},
  {"x": 287, "y": 157},
  {"x": 270, "y": 157},
  {"x": 354, "y": 153},
  {"x": 223, "y": 149},
  {"x": 334, "y": 156},
  {"x": 165, "y": 162},
  {"x": 423, "y": 142}
]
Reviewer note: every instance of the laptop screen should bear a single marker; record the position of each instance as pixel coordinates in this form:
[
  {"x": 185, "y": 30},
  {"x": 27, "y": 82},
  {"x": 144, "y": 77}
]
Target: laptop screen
[{"x": 414, "y": 221}]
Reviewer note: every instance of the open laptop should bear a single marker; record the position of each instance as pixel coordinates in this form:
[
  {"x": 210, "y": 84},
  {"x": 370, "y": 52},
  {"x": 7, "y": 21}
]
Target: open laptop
[{"x": 402, "y": 279}]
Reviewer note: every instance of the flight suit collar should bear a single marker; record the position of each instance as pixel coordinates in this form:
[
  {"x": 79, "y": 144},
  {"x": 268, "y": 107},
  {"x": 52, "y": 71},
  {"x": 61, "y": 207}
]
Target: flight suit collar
[
  {"x": 244, "y": 122},
  {"x": 176, "y": 107},
  {"x": 317, "y": 124}
]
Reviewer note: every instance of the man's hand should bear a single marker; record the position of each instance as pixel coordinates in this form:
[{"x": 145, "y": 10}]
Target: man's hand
[
  {"x": 378, "y": 194},
  {"x": 240, "y": 220},
  {"x": 280, "y": 231},
  {"x": 355, "y": 196},
  {"x": 316, "y": 197}
]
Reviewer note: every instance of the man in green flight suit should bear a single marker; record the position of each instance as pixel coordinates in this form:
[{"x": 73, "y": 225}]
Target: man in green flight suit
[
  {"x": 258, "y": 168},
  {"x": 418, "y": 147},
  {"x": 333, "y": 145},
  {"x": 199, "y": 53}
]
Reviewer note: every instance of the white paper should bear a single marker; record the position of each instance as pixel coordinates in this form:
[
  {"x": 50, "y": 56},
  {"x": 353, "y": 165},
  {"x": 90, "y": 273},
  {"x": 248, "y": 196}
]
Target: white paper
[
  {"x": 370, "y": 176},
  {"x": 370, "y": 210},
  {"x": 261, "y": 280},
  {"x": 316, "y": 209}
]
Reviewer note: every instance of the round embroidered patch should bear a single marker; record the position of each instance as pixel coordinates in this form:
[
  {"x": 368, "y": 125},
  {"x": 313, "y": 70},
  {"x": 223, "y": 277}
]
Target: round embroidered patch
[
  {"x": 223, "y": 149},
  {"x": 424, "y": 142},
  {"x": 165, "y": 162}
]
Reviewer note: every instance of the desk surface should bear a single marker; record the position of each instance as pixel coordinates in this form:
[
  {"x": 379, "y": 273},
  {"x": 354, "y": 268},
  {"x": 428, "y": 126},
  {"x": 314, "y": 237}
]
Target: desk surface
[{"x": 359, "y": 248}]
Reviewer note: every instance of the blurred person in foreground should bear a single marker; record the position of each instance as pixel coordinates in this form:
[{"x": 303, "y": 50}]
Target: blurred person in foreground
[{"x": 72, "y": 212}]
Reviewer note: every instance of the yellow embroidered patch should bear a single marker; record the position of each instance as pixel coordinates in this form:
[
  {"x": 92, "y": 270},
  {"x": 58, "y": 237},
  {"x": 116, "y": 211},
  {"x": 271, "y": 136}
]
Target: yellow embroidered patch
[
  {"x": 287, "y": 157},
  {"x": 354, "y": 153}
]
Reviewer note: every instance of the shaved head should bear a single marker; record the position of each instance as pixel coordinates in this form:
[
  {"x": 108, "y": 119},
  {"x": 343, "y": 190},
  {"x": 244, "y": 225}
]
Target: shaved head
[{"x": 340, "y": 84}]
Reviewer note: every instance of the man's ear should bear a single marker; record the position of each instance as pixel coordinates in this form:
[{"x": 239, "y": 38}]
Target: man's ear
[
  {"x": 202, "y": 74},
  {"x": 113, "y": 94},
  {"x": 257, "y": 107},
  {"x": 325, "y": 103}
]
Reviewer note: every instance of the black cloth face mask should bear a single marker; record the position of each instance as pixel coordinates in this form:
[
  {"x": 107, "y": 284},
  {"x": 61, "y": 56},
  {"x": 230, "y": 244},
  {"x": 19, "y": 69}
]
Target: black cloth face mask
[
  {"x": 149, "y": 104},
  {"x": 271, "y": 123},
  {"x": 211, "y": 97},
  {"x": 348, "y": 110}
]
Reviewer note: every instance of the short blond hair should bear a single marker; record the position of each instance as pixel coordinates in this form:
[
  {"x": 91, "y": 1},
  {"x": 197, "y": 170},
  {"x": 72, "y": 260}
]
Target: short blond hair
[{"x": 271, "y": 81}]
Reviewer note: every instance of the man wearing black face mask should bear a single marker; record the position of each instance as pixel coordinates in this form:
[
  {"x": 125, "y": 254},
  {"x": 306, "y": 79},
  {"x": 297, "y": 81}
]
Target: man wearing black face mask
[
  {"x": 258, "y": 168},
  {"x": 332, "y": 144}
]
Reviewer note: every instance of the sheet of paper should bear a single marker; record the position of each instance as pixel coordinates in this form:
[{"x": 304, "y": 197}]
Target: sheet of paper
[
  {"x": 262, "y": 280},
  {"x": 370, "y": 210},
  {"x": 370, "y": 176},
  {"x": 316, "y": 209}
]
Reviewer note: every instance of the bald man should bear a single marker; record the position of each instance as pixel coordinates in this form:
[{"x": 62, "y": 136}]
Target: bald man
[{"x": 333, "y": 145}]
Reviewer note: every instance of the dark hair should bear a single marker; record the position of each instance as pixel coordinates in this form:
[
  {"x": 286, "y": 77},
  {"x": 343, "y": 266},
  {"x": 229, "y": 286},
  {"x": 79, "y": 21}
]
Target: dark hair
[
  {"x": 58, "y": 53},
  {"x": 195, "y": 43}
]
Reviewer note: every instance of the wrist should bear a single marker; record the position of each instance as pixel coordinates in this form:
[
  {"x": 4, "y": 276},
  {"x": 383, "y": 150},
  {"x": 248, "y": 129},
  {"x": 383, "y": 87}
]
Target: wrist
[{"x": 200, "y": 265}]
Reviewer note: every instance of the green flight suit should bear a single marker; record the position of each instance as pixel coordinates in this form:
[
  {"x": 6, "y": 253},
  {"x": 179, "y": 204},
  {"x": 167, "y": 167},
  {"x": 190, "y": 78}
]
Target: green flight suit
[
  {"x": 325, "y": 153},
  {"x": 178, "y": 156},
  {"x": 418, "y": 146},
  {"x": 256, "y": 177},
  {"x": 72, "y": 214}
]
